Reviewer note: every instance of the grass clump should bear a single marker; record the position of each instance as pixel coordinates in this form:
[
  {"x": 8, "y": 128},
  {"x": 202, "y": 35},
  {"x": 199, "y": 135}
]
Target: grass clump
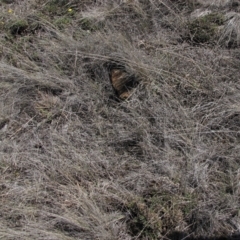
[
  {"x": 62, "y": 22},
  {"x": 56, "y": 8},
  {"x": 143, "y": 222},
  {"x": 205, "y": 28},
  {"x": 114, "y": 127},
  {"x": 18, "y": 27},
  {"x": 230, "y": 34},
  {"x": 87, "y": 25}
]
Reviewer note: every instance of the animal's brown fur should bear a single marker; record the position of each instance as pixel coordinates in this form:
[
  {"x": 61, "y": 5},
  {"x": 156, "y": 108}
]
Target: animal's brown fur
[{"x": 121, "y": 83}]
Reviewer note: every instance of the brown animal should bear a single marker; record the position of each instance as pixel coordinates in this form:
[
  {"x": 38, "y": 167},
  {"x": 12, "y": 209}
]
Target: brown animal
[{"x": 122, "y": 83}]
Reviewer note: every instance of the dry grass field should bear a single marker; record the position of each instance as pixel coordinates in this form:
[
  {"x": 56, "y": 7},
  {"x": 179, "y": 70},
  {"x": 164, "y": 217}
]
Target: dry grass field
[{"x": 153, "y": 156}]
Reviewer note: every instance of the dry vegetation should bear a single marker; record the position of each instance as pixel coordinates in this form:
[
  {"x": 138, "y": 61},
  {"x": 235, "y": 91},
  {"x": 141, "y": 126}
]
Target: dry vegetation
[{"x": 76, "y": 162}]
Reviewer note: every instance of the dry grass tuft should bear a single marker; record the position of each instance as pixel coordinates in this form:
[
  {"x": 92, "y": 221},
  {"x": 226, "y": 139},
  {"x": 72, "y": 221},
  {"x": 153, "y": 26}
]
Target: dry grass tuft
[
  {"x": 77, "y": 163},
  {"x": 230, "y": 35}
]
